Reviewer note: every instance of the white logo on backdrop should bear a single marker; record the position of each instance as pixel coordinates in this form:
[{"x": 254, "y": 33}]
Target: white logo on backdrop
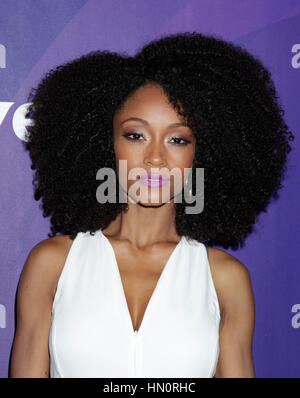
[
  {"x": 19, "y": 121},
  {"x": 2, "y": 56},
  {"x": 296, "y": 318},
  {"x": 296, "y": 58},
  {"x": 2, "y": 317}
]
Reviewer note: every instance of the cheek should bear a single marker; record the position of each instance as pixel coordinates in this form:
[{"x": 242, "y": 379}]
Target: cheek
[
  {"x": 181, "y": 163},
  {"x": 123, "y": 150},
  {"x": 130, "y": 160},
  {"x": 182, "y": 160}
]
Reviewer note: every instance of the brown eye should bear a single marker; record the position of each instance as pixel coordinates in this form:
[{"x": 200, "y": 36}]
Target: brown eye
[
  {"x": 185, "y": 142},
  {"x": 135, "y": 135}
]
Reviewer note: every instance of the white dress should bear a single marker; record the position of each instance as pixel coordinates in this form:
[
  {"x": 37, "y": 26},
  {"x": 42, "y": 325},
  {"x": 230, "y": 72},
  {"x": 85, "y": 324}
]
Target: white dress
[{"x": 91, "y": 333}]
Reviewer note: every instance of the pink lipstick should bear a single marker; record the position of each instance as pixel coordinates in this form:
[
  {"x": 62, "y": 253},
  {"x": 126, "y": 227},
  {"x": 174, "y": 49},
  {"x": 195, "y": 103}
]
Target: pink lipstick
[{"x": 154, "y": 180}]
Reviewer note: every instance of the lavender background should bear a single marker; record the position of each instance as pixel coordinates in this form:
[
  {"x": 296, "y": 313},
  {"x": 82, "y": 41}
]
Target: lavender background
[{"x": 40, "y": 34}]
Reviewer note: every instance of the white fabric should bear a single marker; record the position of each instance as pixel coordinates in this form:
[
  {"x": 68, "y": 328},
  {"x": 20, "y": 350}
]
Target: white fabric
[{"x": 91, "y": 334}]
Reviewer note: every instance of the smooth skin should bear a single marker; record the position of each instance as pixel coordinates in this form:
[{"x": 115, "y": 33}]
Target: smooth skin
[{"x": 143, "y": 239}]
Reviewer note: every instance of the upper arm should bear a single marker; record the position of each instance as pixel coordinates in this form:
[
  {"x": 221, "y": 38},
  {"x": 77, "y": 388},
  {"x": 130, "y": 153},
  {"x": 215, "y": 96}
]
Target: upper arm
[
  {"x": 30, "y": 354},
  {"x": 237, "y": 324}
]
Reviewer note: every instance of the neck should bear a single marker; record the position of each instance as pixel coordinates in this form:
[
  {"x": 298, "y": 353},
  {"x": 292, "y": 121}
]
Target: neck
[{"x": 143, "y": 226}]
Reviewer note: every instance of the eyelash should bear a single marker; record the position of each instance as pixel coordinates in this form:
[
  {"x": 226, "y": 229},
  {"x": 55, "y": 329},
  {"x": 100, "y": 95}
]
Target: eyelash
[{"x": 186, "y": 142}]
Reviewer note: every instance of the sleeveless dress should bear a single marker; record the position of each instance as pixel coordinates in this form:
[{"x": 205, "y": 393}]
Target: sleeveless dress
[{"x": 91, "y": 333}]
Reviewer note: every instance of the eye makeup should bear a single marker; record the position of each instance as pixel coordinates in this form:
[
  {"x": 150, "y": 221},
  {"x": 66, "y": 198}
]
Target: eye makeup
[{"x": 128, "y": 136}]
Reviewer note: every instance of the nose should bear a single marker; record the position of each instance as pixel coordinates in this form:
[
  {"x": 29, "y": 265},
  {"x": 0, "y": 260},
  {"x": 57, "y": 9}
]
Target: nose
[{"x": 155, "y": 155}]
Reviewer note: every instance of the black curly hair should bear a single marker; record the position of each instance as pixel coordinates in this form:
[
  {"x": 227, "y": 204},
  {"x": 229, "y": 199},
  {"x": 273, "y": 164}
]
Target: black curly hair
[{"x": 228, "y": 99}]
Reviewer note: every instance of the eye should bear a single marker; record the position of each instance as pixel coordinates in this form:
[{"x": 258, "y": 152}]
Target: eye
[
  {"x": 136, "y": 137},
  {"x": 127, "y": 135},
  {"x": 185, "y": 142}
]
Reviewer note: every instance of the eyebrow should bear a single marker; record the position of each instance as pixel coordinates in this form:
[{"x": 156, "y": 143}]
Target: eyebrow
[{"x": 147, "y": 124}]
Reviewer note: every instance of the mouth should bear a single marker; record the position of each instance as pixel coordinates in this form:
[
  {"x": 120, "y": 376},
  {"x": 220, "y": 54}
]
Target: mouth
[{"x": 154, "y": 180}]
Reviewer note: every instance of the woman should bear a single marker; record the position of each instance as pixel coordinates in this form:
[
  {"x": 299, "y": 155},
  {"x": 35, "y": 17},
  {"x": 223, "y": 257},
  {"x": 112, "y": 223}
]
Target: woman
[{"x": 128, "y": 289}]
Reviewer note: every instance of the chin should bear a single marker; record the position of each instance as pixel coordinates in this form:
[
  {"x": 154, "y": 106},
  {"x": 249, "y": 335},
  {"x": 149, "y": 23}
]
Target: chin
[{"x": 154, "y": 201}]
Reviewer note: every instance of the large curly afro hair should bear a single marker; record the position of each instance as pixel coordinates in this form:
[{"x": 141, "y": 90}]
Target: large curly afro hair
[{"x": 228, "y": 100}]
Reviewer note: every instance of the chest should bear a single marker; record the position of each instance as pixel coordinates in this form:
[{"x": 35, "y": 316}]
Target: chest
[{"x": 139, "y": 272}]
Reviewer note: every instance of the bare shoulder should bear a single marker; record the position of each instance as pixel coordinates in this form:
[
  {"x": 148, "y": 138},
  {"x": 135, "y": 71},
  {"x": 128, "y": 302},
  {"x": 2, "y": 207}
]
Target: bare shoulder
[
  {"x": 231, "y": 279},
  {"x": 35, "y": 293},
  {"x": 46, "y": 260}
]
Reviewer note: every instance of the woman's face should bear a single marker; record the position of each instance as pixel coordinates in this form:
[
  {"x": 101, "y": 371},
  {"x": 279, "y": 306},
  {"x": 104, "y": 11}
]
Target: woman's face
[{"x": 151, "y": 136}]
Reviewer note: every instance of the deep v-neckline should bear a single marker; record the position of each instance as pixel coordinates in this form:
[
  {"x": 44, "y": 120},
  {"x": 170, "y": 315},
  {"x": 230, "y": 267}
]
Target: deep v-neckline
[{"x": 155, "y": 290}]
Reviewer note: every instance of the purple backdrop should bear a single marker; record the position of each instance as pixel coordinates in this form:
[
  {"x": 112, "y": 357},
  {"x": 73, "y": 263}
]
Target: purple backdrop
[{"x": 36, "y": 36}]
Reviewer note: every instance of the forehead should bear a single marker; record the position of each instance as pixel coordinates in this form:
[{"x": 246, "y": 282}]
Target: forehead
[{"x": 147, "y": 102}]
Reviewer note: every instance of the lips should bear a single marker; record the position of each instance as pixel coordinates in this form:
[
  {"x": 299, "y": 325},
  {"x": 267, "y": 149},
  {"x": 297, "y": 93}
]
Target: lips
[{"x": 154, "y": 178}]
